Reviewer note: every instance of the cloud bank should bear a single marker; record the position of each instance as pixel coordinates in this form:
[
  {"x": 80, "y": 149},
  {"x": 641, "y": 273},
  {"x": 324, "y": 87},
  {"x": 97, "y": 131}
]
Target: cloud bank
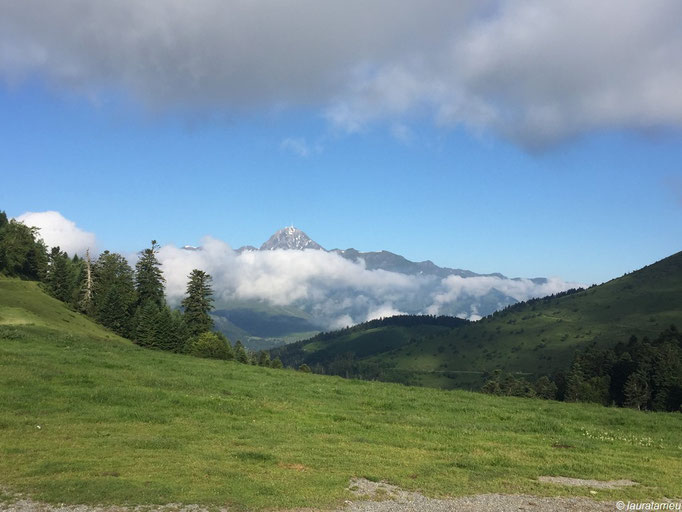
[
  {"x": 338, "y": 292},
  {"x": 56, "y": 230},
  {"x": 535, "y": 72}
]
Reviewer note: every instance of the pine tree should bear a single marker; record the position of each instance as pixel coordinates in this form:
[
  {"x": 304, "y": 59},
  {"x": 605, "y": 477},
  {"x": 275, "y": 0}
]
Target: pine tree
[
  {"x": 637, "y": 391},
  {"x": 146, "y": 318},
  {"x": 263, "y": 358},
  {"x": 198, "y": 303},
  {"x": 60, "y": 278},
  {"x": 163, "y": 334},
  {"x": 240, "y": 354},
  {"x": 180, "y": 333},
  {"x": 113, "y": 293},
  {"x": 574, "y": 383},
  {"x": 149, "y": 280}
]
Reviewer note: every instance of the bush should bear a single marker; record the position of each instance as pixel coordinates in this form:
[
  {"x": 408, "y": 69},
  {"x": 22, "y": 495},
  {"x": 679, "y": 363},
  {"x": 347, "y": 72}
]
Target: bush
[{"x": 210, "y": 345}]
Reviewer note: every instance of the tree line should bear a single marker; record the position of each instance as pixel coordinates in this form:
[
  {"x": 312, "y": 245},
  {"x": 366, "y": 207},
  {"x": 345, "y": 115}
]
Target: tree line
[
  {"x": 130, "y": 302},
  {"x": 641, "y": 373}
]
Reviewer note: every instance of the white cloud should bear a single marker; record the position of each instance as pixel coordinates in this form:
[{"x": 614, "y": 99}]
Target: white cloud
[
  {"x": 455, "y": 288},
  {"x": 384, "y": 311},
  {"x": 55, "y": 230},
  {"x": 535, "y": 72},
  {"x": 335, "y": 291}
]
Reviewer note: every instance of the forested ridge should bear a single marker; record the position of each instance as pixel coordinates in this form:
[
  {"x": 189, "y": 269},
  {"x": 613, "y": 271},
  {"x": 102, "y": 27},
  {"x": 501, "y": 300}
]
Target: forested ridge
[{"x": 129, "y": 301}]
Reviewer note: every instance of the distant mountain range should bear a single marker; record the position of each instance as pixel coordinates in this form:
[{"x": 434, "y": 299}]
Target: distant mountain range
[
  {"x": 375, "y": 284},
  {"x": 291, "y": 238}
]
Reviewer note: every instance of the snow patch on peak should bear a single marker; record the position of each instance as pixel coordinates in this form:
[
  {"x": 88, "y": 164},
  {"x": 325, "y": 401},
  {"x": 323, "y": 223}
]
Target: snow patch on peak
[{"x": 290, "y": 238}]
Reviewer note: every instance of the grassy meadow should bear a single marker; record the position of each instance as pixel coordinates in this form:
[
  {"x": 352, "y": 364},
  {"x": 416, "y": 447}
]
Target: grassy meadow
[{"x": 87, "y": 417}]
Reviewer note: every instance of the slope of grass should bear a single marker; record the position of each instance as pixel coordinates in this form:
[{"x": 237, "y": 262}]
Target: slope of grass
[
  {"x": 23, "y": 303},
  {"x": 535, "y": 338},
  {"x": 541, "y": 337},
  {"x": 85, "y": 419}
]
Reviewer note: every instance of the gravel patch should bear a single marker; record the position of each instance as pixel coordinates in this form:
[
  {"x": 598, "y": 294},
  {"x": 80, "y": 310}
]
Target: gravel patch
[
  {"x": 579, "y": 482},
  {"x": 15, "y": 502},
  {"x": 382, "y": 497}
]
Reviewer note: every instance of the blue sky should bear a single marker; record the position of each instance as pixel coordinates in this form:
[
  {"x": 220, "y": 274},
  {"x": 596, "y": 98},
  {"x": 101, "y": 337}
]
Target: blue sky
[{"x": 584, "y": 195}]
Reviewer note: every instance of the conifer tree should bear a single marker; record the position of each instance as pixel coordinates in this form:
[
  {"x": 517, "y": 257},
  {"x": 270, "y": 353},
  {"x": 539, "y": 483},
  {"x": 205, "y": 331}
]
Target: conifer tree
[
  {"x": 146, "y": 318},
  {"x": 149, "y": 280},
  {"x": 240, "y": 354},
  {"x": 637, "y": 391},
  {"x": 180, "y": 333},
  {"x": 114, "y": 293},
  {"x": 198, "y": 303},
  {"x": 60, "y": 278},
  {"x": 263, "y": 358}
]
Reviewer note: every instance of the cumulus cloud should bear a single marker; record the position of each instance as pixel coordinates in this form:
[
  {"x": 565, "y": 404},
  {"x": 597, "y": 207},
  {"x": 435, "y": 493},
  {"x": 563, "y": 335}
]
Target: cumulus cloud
[
  {"x": 56, "y": 230},
  {"x": 454, "y": 289},
  {"x": 335, "y": 291},
  {"x": 384, "y": 311},
  {"x": 535, "y": 72}
]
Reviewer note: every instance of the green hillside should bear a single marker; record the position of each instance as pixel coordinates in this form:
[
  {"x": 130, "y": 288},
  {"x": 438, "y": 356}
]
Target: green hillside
[
  {"x": 86, "y": 417},
  {"x": 337, "y": 352},
  {"x": 537, "y": 337},
  {"x": 24, "y": 304}
]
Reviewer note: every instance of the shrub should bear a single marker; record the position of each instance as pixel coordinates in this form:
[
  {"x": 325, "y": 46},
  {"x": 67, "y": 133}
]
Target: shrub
[{"x": 210, "y": 345}]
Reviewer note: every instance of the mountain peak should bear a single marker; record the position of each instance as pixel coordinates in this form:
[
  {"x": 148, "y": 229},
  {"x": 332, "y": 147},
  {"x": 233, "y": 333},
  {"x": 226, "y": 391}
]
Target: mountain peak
[{"x": 290, "y": 238}]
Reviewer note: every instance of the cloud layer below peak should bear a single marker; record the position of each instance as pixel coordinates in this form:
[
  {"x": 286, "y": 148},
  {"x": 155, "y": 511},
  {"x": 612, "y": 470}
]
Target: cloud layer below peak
[
  {"x": 337, "y": 292},
  {"x": 534, "y": 72}
]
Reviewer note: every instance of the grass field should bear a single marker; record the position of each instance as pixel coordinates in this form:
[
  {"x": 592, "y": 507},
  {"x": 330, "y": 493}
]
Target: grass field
[{"x": 90, "y": 419}]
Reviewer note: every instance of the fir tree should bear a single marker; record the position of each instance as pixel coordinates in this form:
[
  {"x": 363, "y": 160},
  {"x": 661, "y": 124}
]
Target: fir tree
[
  {"x": 180, "y": 333},
  {"x": 146, "y": 318},
  {"x": 574, "y": 382},
  {"x": 240, "y": 354},
  {"x": 263, "y": 358},
  {"x": 113, "y": 293},
  {"x": 637, "y": 391},
  {"x": 198, "y": 303},
  {"x": 149, "y": 280},
  {"x": 60, "y": 278}
]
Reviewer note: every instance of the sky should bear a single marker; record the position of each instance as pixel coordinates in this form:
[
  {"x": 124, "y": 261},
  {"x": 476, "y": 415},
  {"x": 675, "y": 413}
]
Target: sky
[{"x": 527, "y": 138}]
